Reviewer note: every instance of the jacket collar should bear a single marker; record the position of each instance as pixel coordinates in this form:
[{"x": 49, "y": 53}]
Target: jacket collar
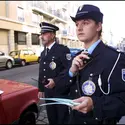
[{"x": 99, "y": 49}]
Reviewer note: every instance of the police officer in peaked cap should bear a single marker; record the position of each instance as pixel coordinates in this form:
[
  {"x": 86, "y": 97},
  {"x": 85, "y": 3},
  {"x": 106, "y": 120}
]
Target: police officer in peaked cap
[
  {"x": 53, "y": 61},
  {"x": 96, "y": 77}
]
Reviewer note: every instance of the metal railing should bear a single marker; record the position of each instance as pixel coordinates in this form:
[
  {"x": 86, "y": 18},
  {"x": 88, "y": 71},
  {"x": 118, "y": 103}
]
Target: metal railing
[{"x": 44, "y": 6}]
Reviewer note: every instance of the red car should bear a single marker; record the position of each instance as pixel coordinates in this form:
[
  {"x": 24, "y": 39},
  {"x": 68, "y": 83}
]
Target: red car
[{"x": 18, "y": 103}]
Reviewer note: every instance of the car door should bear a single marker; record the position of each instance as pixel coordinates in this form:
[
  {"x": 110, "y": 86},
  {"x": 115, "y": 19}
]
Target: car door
[
  {"x": 25, "y": 55},
  {"x": 32, "y": 55},
  {"x": 2, "y": 59}
]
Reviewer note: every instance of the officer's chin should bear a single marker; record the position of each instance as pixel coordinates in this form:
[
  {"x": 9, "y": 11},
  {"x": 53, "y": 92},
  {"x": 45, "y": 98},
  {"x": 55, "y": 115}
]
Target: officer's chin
[
  {"x": 44, "y": 43},
  {"x": 83, "y": 39}
]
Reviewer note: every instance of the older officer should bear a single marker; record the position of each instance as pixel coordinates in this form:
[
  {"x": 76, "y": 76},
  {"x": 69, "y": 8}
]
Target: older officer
[
  {"x": 96, "y": 78},
  {"x": 54, "y": 60}
]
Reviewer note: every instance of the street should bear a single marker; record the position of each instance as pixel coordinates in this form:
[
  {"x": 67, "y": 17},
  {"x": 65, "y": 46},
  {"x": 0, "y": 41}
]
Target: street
[
  {"x": 21, "y": 74},
  {"x": 26, "y": 74}
]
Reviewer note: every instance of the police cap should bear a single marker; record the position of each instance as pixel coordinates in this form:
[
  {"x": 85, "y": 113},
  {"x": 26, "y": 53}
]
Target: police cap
[
  {"x": 47, "y": 27},
  {"x": 88, "y": 12}
]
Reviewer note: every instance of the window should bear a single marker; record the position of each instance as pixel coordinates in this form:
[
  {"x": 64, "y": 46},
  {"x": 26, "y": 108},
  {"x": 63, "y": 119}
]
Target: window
[
  {"x": 38, "y": 4},
  {"x": 20, "y": 14},
  {"x": 20, "y": 38},
  {"x": 24, "y": 52},
  {"x": 14, "y": 53},
  {"x": 35, "y": 19},
  {"x": 31, "y": 52},
  {"x": 35, "y": 39}
]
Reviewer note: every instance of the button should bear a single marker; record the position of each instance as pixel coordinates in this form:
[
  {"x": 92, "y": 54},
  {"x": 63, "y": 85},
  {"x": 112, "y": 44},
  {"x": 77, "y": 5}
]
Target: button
[
  {"x": 44, "y": 63},
  {"x": 44, "y": 69},
  {"x": 44, "y": 76},
  {"x": 96, "y": 118},
  {"x": 85, "y": 123},
  {"x": 70, "y": 80},
  {"x": 76, "y": 90},
  {"x": 91, "y": 74}
]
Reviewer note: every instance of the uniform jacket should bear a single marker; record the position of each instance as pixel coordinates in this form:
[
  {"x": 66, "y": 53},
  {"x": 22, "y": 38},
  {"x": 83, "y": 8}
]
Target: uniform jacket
[
  {"x": 111, "y": 106},
  {"x": 60, "y": 55}
]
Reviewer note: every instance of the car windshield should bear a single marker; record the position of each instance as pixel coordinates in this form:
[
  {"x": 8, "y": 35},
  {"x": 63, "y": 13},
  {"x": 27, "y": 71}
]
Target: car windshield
[{"x": 14, "y": 53}]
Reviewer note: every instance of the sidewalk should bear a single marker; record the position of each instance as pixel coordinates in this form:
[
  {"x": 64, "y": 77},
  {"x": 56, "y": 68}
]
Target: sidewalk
[{"x": 42, "y": 119}]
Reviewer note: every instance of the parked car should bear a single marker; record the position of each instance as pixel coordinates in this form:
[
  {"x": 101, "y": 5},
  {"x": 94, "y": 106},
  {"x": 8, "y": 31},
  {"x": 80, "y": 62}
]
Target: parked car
[
  {"x": 73, "y": 51},
  {"x": 18, "y": 103},
  {"x": 6, "y": 61},
  {"x": 24, "y": 56}
]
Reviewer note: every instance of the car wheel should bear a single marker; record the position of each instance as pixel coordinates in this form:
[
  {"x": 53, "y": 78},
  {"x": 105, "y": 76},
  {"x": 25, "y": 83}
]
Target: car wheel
[
  {"x": 9, "y": 64},
  {"x": 23, "y": 63},
  {"x": 28, "y": 119}
]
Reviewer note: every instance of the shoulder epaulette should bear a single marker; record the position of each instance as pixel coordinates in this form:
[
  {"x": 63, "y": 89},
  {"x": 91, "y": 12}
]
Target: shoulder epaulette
[{"x": 114, "y": 49}]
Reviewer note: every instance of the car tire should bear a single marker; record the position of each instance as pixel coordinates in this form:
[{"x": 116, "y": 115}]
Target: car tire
[
  {"x": 28, "y": 119},
  {"x": 23, "y": 62},
  {"x": 9, "y": 64}
]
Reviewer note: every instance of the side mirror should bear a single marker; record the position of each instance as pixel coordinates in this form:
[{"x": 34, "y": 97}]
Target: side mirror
[{"x": 2, "y": 54}]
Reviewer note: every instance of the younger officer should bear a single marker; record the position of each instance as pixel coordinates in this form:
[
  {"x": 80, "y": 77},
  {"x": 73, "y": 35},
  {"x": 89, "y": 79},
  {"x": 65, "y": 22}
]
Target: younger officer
[
  {"x": 52, "y": 63},
  {"x": 97, "y": 78}
]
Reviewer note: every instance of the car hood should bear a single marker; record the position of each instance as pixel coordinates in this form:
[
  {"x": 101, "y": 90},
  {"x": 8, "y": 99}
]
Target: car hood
[{"x": 8, "y": 86}]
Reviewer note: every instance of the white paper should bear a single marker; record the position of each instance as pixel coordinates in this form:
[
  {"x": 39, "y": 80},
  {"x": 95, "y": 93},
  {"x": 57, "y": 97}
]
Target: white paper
[
  {"x": 1, "y": 91},
  {"x": 67, "y": 102}
]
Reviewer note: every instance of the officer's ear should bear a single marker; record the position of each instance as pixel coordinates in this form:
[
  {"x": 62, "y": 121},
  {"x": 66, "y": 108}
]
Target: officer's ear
[
  {"x": 53, "y": 35},
  {"x": 99, "y": 26}
]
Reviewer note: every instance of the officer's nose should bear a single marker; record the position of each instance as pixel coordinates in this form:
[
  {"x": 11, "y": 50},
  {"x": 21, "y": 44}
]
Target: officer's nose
[
  {"x": 41, "y": 35},
  {"x": 79, "y": 27}
]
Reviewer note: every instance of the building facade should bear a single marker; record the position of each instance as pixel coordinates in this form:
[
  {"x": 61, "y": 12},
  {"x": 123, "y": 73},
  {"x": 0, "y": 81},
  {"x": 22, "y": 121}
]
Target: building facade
[{"x": 19, "y": 24}]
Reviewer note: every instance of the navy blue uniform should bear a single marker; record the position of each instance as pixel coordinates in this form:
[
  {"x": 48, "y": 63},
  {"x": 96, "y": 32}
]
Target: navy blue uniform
[
  {"x": 60, "y": 55},
  {"x": 107, "y": 108}
]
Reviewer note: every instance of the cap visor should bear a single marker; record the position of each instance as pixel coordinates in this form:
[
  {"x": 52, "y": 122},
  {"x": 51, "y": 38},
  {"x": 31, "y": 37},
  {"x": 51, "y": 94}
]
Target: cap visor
[
  {"x": 73, "y": 18},
  {"x": 42, "y": 32},
  {"x": 78, "y": 18}
]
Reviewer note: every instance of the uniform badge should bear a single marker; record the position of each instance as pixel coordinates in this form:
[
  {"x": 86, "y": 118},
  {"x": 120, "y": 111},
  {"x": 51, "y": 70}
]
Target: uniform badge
[
  {"x": 88, "y": 87},
  {"x": 123, "y": 75},
  {"x": 68, "y": 56},
  {"x": 52, "y": 65}
]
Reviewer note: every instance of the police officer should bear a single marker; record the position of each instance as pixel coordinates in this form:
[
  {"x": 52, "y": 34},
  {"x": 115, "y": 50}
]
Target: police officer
[
  {"x": 96, "y": 77},
  {"x": 54, "y": 59}
]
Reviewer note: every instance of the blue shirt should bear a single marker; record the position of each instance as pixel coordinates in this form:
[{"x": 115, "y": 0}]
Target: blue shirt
[
  {"x": 93, "y": 46},
  {"x": 90, "y": 50}
]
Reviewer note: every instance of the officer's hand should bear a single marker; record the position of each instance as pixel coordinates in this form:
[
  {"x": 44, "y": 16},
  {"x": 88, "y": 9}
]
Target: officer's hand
[
  {"x": 85, "y": 106},
  {"x": 51, "y": 84},
  {"x": 77, "y": 63},
  {"x": 41, "y": 95}
]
